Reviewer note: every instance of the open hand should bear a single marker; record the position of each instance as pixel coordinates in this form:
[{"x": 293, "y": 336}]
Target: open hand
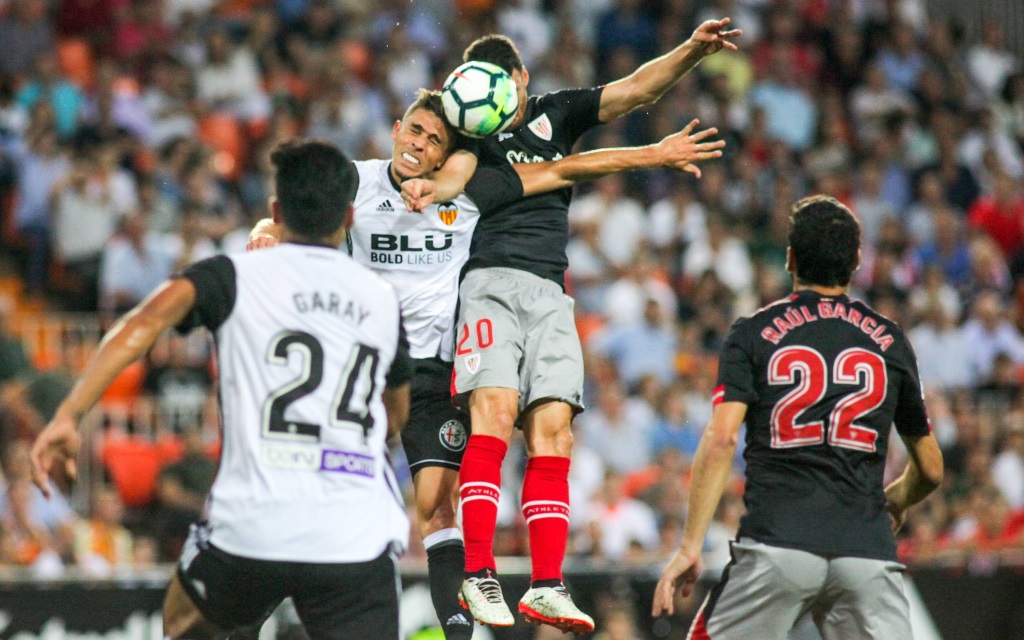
[
  {"x": 711, "y": 36},
  {"x": 57, "y": 443},
  {"x": 418, "y": 194},
  {"x": 682, "y": 149},
  {"x": 680, "y": 574}
]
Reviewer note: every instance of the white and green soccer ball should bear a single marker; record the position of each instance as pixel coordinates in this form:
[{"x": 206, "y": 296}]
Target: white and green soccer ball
[{"x": 479, "y": 99}]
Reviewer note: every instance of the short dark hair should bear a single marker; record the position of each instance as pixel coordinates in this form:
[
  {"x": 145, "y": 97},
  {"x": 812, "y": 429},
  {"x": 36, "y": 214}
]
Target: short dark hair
[
  {"x": 431, "y": 101},
  {"x": 496, "y": 49},
  {"x": 824, "y": 237},
  {"x": 315, "y": 184}
]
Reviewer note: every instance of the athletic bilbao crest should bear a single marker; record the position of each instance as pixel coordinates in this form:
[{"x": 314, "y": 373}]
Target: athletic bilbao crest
[
  {"x": 472, "y": 363},
  {"x": 453, "y": 435},
  {"x": 448, "y": 212},
  {"x": 541, "y": 127}
]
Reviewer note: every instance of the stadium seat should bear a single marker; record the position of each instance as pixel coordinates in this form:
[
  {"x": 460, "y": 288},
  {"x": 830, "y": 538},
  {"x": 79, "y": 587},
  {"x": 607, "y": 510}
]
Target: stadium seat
[{"x": 224, "y": 134}]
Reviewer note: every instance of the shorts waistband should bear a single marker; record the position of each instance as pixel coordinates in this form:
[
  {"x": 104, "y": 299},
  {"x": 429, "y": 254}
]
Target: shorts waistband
[{"x": 519, "y": 274}]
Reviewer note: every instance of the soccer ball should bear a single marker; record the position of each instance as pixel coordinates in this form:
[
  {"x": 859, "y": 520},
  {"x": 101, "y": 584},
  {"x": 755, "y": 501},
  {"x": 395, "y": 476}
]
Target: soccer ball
[{"x": 479, "y": 99}]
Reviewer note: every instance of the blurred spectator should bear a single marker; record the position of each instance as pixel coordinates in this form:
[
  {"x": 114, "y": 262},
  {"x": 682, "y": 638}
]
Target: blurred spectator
[
  {"x": 1008, "y": 468},
  {"x": 167, "y": 100},
  {"x": 989, "y": 62},
  {"x": 1000, "y": 215},
  {"x": 229, "y": 79},
  {"x": 720, "y": 252},
  {"x": 646, "y": 347},
  {"x": 620, "y": 219},
  {"x": 14, "y": 360},
  {"x": 619, "y": 430},
  {"x": 178, "y": 382},
  {"x": 26, "y": 33},
  {"x": 997, "y": 527},
  {"x": 874, "y": 101},
  {"x": 41, "y": 167},
  {"x": 902, "y": 62},
  {"x": 102, "y": 544},
  {"x": 626, "y": 26},
  {"x": 792, "y": 115},
  {"x": 869, "y": 203},
  {"x": 27, "y": 542},
  {"x": 947, "y": 250},
  {"x": 721, "y": 533},
  {"x": 988, "y": 333},
  {"x": 134, "y": 263},
  {"x": 1009, "y": 109},
  {"x": 50, "y": 87},
  {"x": 620, "y": 527}
]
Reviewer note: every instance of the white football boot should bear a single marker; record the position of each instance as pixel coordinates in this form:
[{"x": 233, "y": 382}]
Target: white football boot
[
  {"x": 554, "y": 606},
  {"x": 483, "y": 598}
]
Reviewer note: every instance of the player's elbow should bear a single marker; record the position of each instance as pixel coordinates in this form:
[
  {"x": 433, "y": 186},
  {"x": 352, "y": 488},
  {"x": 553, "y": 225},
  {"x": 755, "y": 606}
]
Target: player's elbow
[{"x": 721, "y": 440}]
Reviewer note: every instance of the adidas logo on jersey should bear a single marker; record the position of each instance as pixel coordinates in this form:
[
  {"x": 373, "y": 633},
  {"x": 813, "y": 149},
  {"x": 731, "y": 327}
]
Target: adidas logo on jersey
[
  {"x": 458, "y": 618},
  {"x": 386, "y": 206}
]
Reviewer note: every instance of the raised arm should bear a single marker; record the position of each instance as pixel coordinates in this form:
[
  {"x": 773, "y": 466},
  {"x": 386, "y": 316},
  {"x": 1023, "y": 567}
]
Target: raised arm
[
  {"x": 648, "y": 83},
  {"x": 125, "y": 343},
  {"x": 677, "y": 151},
  {"x": 446, "y": 184},
  {"x": 922, "y": 475},
  {"x": 711, "y": 468}
]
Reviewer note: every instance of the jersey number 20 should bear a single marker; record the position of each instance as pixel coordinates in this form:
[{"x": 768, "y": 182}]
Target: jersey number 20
[
  {"x": 852, "y": 367},
  {"x": 347, "y": 408}
]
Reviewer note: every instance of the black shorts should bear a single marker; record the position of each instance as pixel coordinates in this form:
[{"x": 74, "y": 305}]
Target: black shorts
[
  {"x": 335, "y": 601},
  {"x": 437, "y": 432}
]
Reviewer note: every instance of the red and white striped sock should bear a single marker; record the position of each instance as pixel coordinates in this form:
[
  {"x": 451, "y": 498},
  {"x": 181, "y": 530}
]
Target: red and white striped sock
[
  {"x": 479, "y": 490},
  {"x": 546, "y": 509}
]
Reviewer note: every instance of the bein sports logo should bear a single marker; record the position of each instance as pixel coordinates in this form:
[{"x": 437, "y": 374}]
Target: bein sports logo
[
  {"x": 453, "y": 435},
  {"x": 310, "y": 458},
  {"x": 347, "y": 462}
]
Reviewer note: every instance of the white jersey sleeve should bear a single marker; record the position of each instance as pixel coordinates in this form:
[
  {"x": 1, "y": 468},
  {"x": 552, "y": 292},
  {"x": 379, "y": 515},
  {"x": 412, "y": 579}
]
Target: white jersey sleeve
[
  {"x": 306, "y": 342},
  {"x": 421, "y": 255}
]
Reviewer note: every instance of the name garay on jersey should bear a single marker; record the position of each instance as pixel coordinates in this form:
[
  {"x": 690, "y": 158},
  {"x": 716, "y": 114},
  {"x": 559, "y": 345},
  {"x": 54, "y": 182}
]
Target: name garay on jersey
[
  {"x": 329, "y": 302},
  {"x": 797, "y": 316}
]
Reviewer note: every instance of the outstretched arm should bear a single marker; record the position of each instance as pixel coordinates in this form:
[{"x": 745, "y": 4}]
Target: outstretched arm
[
  {"x": 446, "y": 184},
  {"x": 130, "y": 338},
  {"x": 711, "y": 467},
  {"x": 648, "y": 83},
  {"x": 677, "y": 151}
]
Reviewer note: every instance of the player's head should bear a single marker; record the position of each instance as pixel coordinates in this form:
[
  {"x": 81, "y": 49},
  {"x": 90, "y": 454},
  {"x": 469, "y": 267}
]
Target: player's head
[
  {"x": 423, "y": 138},
  {"x": 824, "y": 242},
  {"x": 314, "y": 186},
  {"x": 500, "y": 50}
]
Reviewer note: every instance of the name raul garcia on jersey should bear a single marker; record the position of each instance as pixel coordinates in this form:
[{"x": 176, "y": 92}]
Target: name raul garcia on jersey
[{"x": 420, "y": 249}]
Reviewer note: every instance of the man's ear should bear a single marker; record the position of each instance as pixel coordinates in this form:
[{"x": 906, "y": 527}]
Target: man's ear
[
  {"x": 350, "y": 217},
  {"x": 525, "y": 73},
  {"x": 394, "y": 130},
  {"x": 275, "y": 210},
  {"x": 856, "y": 267},
  {"x": 791, "y": 264}
]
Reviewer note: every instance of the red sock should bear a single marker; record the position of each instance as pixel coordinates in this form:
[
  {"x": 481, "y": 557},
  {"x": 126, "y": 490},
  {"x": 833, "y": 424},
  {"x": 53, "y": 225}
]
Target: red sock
[
  {"x": 480, "y": 488},
  {"x": 546, "y": 509}
]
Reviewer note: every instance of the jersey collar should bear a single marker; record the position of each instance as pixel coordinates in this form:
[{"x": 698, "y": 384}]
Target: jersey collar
[{"x": 391, "y": 178}]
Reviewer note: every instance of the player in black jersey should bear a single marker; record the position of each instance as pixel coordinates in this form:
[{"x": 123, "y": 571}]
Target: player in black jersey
[
  {"x": 819, "y": 378},
  {"x": 518, "y": 359}
]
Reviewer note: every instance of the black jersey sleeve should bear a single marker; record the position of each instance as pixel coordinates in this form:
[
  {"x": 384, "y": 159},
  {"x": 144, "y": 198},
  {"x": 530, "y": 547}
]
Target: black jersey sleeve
[
  {"x": 736, "y": 368},
  {"x": 911, "y": 417},
  {"x": 578, "y": 109},
  {"x": 214, "y": 280},
  {"x": 401, "y": 367},
  {"x": 493, "y": 187},
  {"x": 465, "y": 143}
]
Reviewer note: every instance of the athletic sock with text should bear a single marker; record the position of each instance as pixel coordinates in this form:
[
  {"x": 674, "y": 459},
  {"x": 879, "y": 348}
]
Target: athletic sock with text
[
  {"x": 479, "y": 490},
  {"x": 546, "y": 510},
  {"x": 446, "y": 557}
]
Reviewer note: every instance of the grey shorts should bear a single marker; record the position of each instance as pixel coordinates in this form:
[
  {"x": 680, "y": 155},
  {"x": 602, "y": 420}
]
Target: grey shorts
[
  {"x": 517, "y": 331},
  {"x": 765, "y": 590}
]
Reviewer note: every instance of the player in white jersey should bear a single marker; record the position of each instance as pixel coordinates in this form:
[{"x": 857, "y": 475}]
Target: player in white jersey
[
  {"x": 314, "y": 372},
  {"x": 422, "y": 257}
]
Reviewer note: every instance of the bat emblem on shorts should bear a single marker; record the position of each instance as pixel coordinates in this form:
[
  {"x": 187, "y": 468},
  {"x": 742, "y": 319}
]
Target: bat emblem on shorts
[{"x": 448, "y": 212}]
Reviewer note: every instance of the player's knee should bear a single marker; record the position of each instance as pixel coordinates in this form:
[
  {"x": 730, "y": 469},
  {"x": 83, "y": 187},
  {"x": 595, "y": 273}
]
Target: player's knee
[
  {"x": 435, "y": 517},
  {"x": 546, "y": 439},
  {"x": 494, "y": 412}
]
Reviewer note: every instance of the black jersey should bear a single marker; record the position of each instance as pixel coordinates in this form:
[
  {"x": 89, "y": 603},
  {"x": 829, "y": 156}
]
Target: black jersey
[
  {"x": 824, "y": 379},
  {"x": 531, "y": 234}
]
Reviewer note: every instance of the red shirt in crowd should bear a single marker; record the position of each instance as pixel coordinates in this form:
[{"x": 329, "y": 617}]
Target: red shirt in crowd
[{"x": 1002, "y": 224}]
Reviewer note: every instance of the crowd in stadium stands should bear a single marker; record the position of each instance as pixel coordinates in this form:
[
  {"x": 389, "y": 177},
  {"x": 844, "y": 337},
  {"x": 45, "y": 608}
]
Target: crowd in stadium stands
[{"x": 133, "y": 138}]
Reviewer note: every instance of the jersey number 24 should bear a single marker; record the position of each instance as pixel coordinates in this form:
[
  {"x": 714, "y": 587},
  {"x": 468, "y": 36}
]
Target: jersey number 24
[
  {"x": 348, "y": 409},
  {"x": 853, "y": 367}
]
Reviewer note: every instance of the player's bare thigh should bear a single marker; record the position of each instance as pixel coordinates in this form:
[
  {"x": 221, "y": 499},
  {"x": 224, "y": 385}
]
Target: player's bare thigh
[
  {"x": 493, "y": 411},
  {"x": 181, "y": 617},
  {"x": 547, "y": 428},
  {"x": 437, "y": 495}
]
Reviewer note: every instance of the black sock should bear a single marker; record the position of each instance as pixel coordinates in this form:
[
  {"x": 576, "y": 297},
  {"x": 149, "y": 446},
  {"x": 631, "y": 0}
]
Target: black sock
[
  {"x": 537, "y": 584},
  {"x": 445, "y": 562}
]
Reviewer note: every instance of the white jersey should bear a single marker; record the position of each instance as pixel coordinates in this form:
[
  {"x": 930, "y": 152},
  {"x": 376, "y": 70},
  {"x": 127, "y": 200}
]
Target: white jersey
[
  {"x": 306, "y": 342},
  {"x": 421, "y": 255}
]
